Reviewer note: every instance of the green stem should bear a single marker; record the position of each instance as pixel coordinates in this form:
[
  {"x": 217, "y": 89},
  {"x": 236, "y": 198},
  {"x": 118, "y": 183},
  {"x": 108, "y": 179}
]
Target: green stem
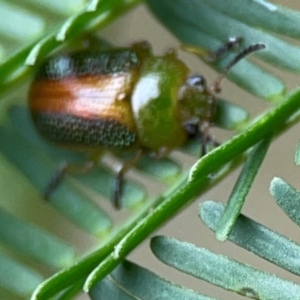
[{"x": 198, "y": 178}]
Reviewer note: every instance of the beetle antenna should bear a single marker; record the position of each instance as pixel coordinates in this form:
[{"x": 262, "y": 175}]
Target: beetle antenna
[{"x": 252, "y": 48}]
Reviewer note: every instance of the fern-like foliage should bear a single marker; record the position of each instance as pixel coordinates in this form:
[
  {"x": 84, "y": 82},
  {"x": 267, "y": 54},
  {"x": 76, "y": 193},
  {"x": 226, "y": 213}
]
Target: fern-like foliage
[{"x": 104, "y": 272}]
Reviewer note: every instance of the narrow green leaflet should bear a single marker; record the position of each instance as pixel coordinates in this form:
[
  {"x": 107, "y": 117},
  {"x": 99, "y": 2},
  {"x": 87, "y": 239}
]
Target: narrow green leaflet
[
  {"x": 222, "y": 271},
  {"x": 29, "y": 25},
  {"x": 287, "y": 197},
  {"x": 241, "y": 188},
  {"x": 297, "y": 155},
  {"x": 207, "y": 24},
  {"x": 229, "y": 116},
  {"x": 261, "y": 14},
  {"x": 17, "y": 278},
  {"x": 130, "y": 281},
  {"x": 56, "y": 7},
  {"x": 255, "y": 237},
  {"x": 162, "y": 169},
  {"x": 34, "y": 242}
]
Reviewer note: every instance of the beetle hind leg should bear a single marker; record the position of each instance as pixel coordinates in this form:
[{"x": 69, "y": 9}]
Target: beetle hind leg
[
  {"x": 118, "y": 184},
  {"x": 63, "y": 169},
  {"x": 55, "y": 180}
]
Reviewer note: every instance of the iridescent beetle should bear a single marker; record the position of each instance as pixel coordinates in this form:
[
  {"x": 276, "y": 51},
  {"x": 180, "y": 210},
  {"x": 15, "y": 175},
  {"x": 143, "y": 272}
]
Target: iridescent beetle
[{"x": 123, "y": 99}]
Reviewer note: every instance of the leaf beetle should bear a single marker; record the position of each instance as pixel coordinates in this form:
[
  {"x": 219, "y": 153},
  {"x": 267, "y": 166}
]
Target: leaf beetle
[{"x": 123, "y": 99}]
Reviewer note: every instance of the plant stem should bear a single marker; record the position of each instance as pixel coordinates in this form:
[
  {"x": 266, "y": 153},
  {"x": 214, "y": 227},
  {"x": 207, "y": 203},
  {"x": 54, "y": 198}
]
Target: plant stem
[{"x": 198, "y": 178}]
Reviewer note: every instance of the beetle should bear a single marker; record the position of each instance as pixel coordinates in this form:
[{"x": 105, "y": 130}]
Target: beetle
[{"x": 123, "y": 99}]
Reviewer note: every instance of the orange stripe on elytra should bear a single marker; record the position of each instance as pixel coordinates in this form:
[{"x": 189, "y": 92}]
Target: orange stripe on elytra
[{"x": 100, "y": 96}]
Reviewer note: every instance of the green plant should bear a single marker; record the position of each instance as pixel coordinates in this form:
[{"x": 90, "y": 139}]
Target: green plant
[{"x": 203, "y": 23}]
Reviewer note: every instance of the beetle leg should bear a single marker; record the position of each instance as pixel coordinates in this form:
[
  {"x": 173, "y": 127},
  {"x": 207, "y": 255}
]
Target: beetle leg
[
  {"x": 63, "y": 169},
  {"x": 55, "y": 180},
  {"x": 119, "y": 179},
  {"x": 205, "y": 137},
  {"x": 207, "y": 141}
]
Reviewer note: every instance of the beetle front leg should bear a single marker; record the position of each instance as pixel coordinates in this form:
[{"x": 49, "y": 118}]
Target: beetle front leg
[
  {"x": 205, "y": 137},
  {"x": 119, "y": 179}
]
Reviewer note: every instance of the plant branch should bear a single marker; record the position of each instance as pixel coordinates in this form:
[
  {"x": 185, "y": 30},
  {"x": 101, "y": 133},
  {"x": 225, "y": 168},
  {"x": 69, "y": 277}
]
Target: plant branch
[{"x": 132, "y": 234}]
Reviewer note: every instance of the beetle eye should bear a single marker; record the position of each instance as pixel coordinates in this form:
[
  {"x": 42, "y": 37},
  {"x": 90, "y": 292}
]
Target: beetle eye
[{"x": 197, "y": 81}]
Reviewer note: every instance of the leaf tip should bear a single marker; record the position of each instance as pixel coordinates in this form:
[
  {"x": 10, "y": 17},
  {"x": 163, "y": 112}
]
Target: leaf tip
[
  {"x": 276, "y": 181},
  {"x": 222, "y": 235}
]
